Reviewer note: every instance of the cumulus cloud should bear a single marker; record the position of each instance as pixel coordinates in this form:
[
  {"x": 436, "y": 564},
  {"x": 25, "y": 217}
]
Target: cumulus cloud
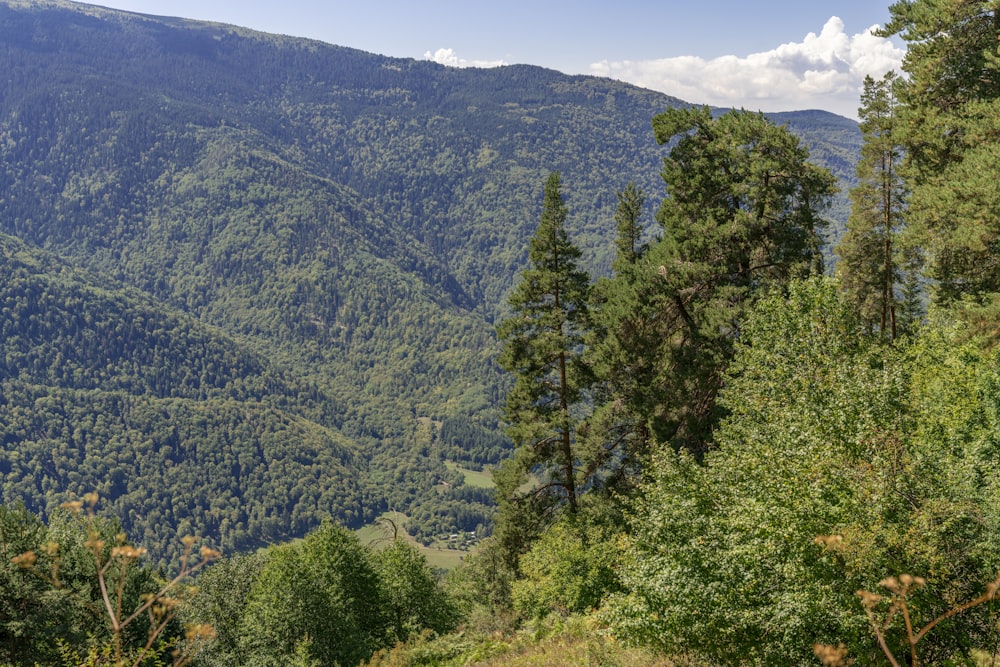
[
  {"x": 823, "y": 71},
  {"x": 450, "y": 58}
]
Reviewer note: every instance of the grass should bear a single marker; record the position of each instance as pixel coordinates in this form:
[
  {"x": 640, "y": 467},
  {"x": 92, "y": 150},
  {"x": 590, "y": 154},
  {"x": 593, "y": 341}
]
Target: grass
[
  {"x": 381, "y": 531},
  {"x": 566, "y": 643},
  {"x": 481, "y": 479}
]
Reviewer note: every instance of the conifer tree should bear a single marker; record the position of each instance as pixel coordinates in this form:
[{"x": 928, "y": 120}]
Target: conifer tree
[
  {"x": 950, "y": 113},
  {"x": 871, "y": 262},
  {"x": 741, "y": 215},
  {"x": 615, "y": 436},
  {"x": 628, "y": 243},
  {"x": 542, "y": 348}
]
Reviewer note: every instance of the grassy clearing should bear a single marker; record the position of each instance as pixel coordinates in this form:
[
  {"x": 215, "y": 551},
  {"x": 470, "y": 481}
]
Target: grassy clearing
[
  {"x": 570, "y": 643},
  {"x": 381, "y": 531},
  {"x": 482, "y": 479}
]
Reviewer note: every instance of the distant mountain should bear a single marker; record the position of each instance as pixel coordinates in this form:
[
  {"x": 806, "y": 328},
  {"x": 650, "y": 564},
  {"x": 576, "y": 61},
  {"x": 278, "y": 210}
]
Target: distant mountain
[{"x": 272, "y": 208}]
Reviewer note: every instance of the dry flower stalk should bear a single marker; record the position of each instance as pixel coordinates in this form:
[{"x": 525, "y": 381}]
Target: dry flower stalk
[{"x": 160, "y": 607}]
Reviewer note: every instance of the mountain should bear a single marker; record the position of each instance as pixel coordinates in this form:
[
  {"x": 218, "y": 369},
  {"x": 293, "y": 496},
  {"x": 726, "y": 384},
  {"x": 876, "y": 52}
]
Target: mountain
[
  {"x": 299, "y": 241},
  {"x": 178, "y": 425}
]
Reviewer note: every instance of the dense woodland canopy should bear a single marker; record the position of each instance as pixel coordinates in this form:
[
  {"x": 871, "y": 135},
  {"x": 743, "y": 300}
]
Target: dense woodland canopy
[
  {"x": 234, "y": 246},
  {"x": 257, "y": 288}
]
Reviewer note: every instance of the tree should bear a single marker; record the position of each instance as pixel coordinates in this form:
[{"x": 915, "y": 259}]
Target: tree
[
  {"x": 741, "y": 214},
  {"x": 33, "y": 614},
  {"x": 413, "y": 598},
  {"x": 870, "y": 267},
  {"x": 542, "y": 348},
  {"x": 628, "y": 243},
  {"x": 84, "y": 594},
  {"x": 950, "y": 112},
  {"x": 223, "y": 591},
  {"x": 615, "y": 434},
  {"x": 569, "y": 570},
  {"x": 891, "y": 449},
  {"x": 320, "y": 594}
]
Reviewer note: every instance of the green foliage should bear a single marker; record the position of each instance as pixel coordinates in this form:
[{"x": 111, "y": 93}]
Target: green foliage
[
  {"x": 569, "y": 570},
  {"x": 742, "y": 213},
  {"x": 325, "y": 598},
  {"x": 411, "y": 594},
  {"x": 32, "y": 613},
  {"x": 951, "y": 103},
  {"x": 542, "y": 349},
  {"x": 629, "y": 245},
  {"x": 615, "y": 438},
  {"x": 79, "y": 594},
  {"x": 223, "y": 592},
  {"x": 828, "y": 433},
  {"x": 479, "y": 444},
  {"x": 872, "y": 259},
  {"x": 322, "y": 589},
  {"x": 559, "y": 642}
]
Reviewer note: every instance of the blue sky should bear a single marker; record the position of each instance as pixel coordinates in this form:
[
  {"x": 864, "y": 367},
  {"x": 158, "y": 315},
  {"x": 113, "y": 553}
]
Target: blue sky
[{"x": 768, "y": 55}]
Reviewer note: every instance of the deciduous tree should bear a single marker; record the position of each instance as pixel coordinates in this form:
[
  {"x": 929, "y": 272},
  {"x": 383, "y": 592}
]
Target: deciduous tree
[
  {"x": 828, "y": 433},
  {"x": 320, "y": 594}
]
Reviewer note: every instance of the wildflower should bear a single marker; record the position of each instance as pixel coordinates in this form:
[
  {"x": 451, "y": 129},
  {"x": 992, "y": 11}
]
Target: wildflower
[
  {"x": 208, "y": 553},
  {"x": 73, "y": 506},
  {"x": 831, "y": 655},
  {"x": 891, "y": 583},
  {"x": 128, "y": 551}
]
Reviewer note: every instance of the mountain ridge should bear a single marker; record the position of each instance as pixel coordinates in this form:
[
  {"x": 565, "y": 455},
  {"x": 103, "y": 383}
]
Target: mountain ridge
[{"x": 353, "y": 220}]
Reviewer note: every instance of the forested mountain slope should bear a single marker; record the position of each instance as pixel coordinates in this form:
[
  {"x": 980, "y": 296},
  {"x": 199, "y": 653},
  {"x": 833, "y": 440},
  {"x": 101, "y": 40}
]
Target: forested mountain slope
[
  {"x": 349, "y": 220},
  {"x": 178, "y": 425}
]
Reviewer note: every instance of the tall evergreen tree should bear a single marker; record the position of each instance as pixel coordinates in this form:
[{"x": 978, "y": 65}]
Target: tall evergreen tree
[
  {"x": 542, "y": 348},
  {"x": 871, "y": 262},
  {"x": 615, "y": 435},
  {"x": 741, "y": 214},
  {"x": 950, "y": 112},
  {"x": 628, "y": 244}
]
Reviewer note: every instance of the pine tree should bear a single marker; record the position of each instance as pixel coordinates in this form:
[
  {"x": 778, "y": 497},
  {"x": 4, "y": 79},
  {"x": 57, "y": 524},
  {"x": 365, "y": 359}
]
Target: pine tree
[
  {"x": 542, "y": 348},
  {"x": 741, "y": 215},
  {"x": 950, "y": 113},
  {"x": 628, "y": 243},
  {"x": 615, "y": 436},
  {"x": 871, "y": 261}
]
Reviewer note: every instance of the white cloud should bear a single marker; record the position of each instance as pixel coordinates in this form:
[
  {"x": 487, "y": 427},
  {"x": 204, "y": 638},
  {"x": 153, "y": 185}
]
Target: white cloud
[
  {"x": 823, "y": 71},
  {"x": 450, "y": 58}
]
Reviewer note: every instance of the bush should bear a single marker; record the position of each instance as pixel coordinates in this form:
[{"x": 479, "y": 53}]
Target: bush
[{"x": 894, "y": 449}]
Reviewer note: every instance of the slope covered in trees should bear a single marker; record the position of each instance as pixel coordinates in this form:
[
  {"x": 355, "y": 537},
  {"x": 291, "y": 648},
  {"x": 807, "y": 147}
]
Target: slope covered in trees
[
  {"x": 354, "y": 220},
  {"x": 180, "y": 425}
]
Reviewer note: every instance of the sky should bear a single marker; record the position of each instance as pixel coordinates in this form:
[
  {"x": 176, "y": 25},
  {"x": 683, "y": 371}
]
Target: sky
[{"x": 769, "y": 55}]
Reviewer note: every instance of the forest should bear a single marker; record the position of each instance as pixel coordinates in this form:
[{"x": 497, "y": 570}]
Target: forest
[
  {"x": 233, "y": 252},
  {"x": 725, "y": 423}
]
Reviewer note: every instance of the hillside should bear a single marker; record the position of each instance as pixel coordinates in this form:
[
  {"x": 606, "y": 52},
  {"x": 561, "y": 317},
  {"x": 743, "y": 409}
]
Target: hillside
[
  {"x": 182, "y": 428},
  {"x": 281, "y": 208}
]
